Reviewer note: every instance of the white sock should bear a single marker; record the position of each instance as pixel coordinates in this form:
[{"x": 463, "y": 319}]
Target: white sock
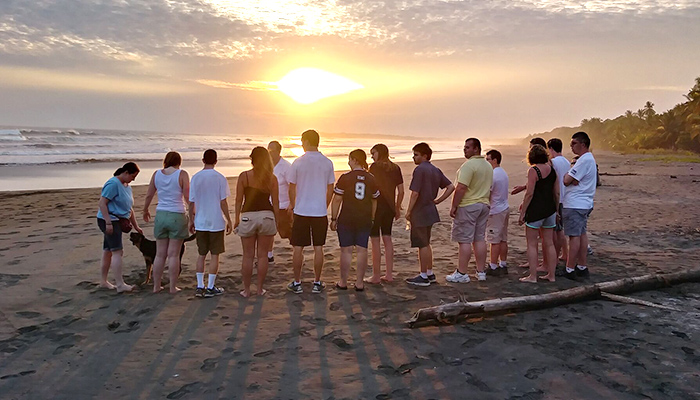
[
  {"x": 503, "y": 264},
  {"x": 270, "y": 254},
  {"x": 424, "y": 275},
  {"x": 317, "y": 283},
  {"x": 570, "y": 269},
  {"x": 430, "y": 272},
  {"x": 200, "y": 279},
  {"x": 212, "y": 279},
  {"x": 493, "y": 266},
  {"x": 581, "y": 267}
]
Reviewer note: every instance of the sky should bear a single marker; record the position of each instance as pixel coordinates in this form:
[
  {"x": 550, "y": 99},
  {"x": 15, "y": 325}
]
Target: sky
[{"x": 485, "y": 68}]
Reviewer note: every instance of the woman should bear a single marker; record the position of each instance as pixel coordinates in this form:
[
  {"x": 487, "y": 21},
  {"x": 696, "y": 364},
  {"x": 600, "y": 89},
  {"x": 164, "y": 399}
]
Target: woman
[
  {"x": 357, "y": 192},
  {"x": 257, "y": 207},
  {"x": 539, "y": 212},
  {"x": 116, "y": 201},
  {"x": 389, "y": 178},
  {"x": 170, "y": 228}
]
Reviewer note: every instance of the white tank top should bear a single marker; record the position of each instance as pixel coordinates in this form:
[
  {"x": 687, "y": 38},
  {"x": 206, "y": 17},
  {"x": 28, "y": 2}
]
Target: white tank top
[{"x": 169, "y": 192}]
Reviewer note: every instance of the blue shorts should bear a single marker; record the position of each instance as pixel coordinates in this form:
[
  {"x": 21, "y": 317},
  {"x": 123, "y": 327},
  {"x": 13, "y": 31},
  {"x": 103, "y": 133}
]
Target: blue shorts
[
  {"x": 353, "y": 236},
  {"x": 111, "y": 242}
]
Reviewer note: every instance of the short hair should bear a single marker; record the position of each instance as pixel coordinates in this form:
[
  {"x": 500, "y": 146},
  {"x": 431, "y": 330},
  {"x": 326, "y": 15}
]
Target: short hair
[
  {"x": 382, "y": 151},
  {"x": 582, "y": 137},
  {"x": 555, "y": 144},
  {"x": 209, "y": 156},
  {"x": 495, "y": 155},
  {"x": 424, "y": 149},
  {"x": 538, "y": 140},
  {"x": 311, "y": 136},
  {"x": 360, "y": 156},
  {"x": 129, "y": 167},
  {"x": 275, "y": 145},
  {"x": 172, "y": 159},
  {"x": 476, "y": 142},
  {"x": 537, "y": 155}
]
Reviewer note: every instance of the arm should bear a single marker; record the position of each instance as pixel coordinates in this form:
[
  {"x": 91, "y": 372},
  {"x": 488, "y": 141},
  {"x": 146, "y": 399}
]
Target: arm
[
  {"x": 335, "y": 210},
  {"x": 185, "y": 185},
  {"x": 275, "y": 194},
  {"x": 132, "y": 218},
  {"x": 149, "y": 197},
  {"x": 292, "y": 198},
  {"x": 399, "y": 201},
  {"x": 224, "y": 209},
  {"x": 239, "y": 200},
  {"x": 191, "y": 214},
  {"x": 448, "y": 191},
  {"x": 329, "y": 194},
  {"x": 569, "y": 180},
  {"x": 411, "y": 203},
  {"x": 460, "y": 191},
  {"x": 105, "y": 213},
  {"x": 531, "y": 180},
  {"x": 374, "y": 208},
  {"x": 518, "y": 189}
]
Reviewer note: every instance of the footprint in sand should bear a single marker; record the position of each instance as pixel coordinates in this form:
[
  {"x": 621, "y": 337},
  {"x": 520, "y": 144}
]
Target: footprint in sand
[
  {"x": 28, "y": 314},
  {"x": 534, "y": 373},
  {"x": 478, "y": 383},
  {"x": 17, "y": 375},
  {"x": 143, "y": 311},
  {"x": 61, "y": 349},
  {"x": 209, "y": 364},
  {"x": 184, "y": 390},
  {"x": 113, "y": 325},
  {"x": 341, "y": 343},
  {"x": 264, "y": 353}
]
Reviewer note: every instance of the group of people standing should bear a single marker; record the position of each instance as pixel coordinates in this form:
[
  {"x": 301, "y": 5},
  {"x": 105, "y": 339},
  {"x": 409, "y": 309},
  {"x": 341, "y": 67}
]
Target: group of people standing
[{"x": 292, "y": 199}]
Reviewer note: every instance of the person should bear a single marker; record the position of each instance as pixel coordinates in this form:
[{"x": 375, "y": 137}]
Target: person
[
  {"x": 539, "y": 212},
  {"x": 170, "y": 227},
  {"x": 422, "y": 212},
  {"x": 257, "y": 207},
  {"x": 390, "y": 181},
  {"x": 470, "y": 210},
  {"x": 284, "y": 222},
  {"x": 209, "y": 218},
  {"x": 116, "y": 201},
  {"x": 580, "y": 184},
  {"x": 561, "y": 166},
  {"x": 357, "y": 193},
  {"x": 497, "y": 223},
  {"x": 311, "y": 180}
]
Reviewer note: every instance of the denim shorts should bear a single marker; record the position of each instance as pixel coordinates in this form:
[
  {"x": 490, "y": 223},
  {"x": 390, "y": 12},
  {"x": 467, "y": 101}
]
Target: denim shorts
[
  {"x": 353, "y": 236},
  {"x": 547, "y": 223},
  {"x": 575, "y": 221},
  {"x": 111, "y": 242}
]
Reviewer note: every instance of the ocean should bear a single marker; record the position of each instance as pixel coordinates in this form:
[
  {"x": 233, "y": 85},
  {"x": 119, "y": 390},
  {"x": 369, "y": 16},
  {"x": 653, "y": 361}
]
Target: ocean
[{"x": 38, "y": 159}]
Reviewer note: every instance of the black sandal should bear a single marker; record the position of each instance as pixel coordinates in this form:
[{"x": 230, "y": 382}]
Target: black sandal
[{"x": 337, "y": 286}]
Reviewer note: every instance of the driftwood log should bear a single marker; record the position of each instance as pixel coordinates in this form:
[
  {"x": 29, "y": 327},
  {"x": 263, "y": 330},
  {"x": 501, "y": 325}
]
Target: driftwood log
[{"x": 447, "y": 313}]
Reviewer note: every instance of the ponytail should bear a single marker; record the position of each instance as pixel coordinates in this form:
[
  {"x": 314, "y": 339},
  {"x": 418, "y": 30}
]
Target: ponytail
[
  {"x": 129, "y": 167},
  {"x": 360, "y": 156}
]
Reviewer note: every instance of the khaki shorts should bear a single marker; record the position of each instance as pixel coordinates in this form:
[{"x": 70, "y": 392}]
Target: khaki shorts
[
  {"x": 170, "y": 225},
  {"x": 469, "y": 225},
  {"x": 497, "y": 227},
  {"x": 257, "y": 223},
  {"x": 210, "y": 242},
  {"x": 284, "y": 225}
]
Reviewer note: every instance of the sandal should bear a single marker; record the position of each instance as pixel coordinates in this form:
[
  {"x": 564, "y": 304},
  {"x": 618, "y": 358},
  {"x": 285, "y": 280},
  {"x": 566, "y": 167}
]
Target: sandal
[{"x": 337, "y": 286}]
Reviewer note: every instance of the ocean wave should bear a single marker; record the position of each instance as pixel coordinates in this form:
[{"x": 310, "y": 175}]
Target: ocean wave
[{"x": 11, "y": 135}]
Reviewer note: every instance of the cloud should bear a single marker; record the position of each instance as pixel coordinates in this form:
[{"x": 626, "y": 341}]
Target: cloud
[{"x": 252, "y": 85}]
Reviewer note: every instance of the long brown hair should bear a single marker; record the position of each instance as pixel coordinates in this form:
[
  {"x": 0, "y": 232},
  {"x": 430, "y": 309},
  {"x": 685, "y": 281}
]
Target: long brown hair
[
  {"x": 262, "y": 165},
  {"x": 360, "y": 156}
]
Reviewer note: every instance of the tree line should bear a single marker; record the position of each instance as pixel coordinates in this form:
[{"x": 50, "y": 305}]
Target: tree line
[{"x": 674, "y": 129}]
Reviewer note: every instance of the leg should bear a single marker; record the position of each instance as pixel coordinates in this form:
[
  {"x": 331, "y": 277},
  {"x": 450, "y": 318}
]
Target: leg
[
  {"x": 263, "y": 264},
  {"x": 174, "y": 247},
  {"x": 389, "y": 256},
  {"x": 345, "y": 260},
  {"x": 117, "y": 268},
  {"x": 541, "y": 266},
  {"x": 425, "y": 258},
  {"x": 464, "y": 255},
  {"x": 574, "y": 251},
  {"x": 106, "y": 262},
  {"x": 532, "y": 241},
  {"x": 495, "y": 253},
  {"x": 297, "y": 261},
  {"x": 159, "y": 263},
  {"x": 548, "y": 249},
  {"x": 248, "y": 244},
  {"x": 503, "y": 254},
  {"x": 376, "y": 261},
  {"x": 361, "y": 267},
  {"x": 563, "y": 245},
  {"x": 214, "y": 264},
  {"x": 318, "y": 263},
  {"x": 583, "y": 250},
  {"x": 480, "y": 255}
]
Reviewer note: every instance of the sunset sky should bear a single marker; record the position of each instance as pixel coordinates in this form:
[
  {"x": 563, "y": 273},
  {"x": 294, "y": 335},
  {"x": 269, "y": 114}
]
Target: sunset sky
[{"x": 440, "y": 68}]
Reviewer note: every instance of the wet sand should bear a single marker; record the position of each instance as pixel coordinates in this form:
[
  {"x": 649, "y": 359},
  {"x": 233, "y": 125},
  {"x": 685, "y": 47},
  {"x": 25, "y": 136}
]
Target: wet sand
[{"x": 63, "y": 337}]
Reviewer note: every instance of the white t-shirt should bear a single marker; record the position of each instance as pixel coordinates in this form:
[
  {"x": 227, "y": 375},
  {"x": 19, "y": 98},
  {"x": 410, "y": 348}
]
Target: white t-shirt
[
  {"x": 312, "y": 173},
  {"x": 499, "y": 191},
  {"x": 561, "y": 166},
  {"x": 207, "y": 188},
  {"x": 581, "y": 196},
  {"x": 281, "y": 171}
]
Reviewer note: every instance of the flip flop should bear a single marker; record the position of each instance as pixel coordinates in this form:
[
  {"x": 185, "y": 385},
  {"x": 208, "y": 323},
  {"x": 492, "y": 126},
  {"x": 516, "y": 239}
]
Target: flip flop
[
  {"x": 357, "y": 289},
  {"x": 337, "y": 286}
]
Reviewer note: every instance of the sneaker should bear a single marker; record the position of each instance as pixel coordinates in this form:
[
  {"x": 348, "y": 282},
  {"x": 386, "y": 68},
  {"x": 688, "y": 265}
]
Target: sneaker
[
  {"x": 418, "y": 281},
  {"x": 295, "y": 287},
  {"x": 571, "y": 275},
  {"x": 494, "y": 272},
  {"x": 432, "y": 278},
  {"x": 481, "y": 276},
  {"x": 318, "y": 287},
  {"x": 457, "y": 277},
  {"x": 271, "y": 259},
  {"x": 582, "y": 273},
  {"x": 215, "y": 291},
  {"x": 199, "y": 292},
  {"x": 589, "y": 250}
]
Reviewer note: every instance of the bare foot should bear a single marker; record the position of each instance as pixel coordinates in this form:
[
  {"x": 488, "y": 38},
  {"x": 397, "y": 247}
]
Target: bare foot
[
  {"x": 107, "y": 285},
  {"x": 374, "y": 280},
  {"x": 524, "y": 265},
  {"x": 124, "y": 288},
  {"x": 157, "y": 290},
  {"x": 244, "y": 293},
  {"x": 261, "y": 292},
  {"x": 177, "y": 289},
  {"x": 541, "y": 269},
  {"x": 562, "y": 258},
  {"x": 547, "y": 278},
  {"x": 387, "y": 278},
  {"x": 529, "y": 279}
]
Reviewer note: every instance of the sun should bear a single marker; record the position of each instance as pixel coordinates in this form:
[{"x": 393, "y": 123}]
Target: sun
[{"x": 308, "y": 85}]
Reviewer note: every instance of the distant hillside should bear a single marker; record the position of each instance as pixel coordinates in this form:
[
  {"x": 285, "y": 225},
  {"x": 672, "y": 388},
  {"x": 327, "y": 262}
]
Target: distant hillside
[{"x": 674, "y": 129}]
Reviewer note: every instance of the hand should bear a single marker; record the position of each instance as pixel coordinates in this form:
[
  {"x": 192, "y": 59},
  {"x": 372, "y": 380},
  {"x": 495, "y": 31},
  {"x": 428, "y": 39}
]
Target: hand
[
  {"x": 453, "y": 212},
  {"x": 191, "y": 227},
  {"x": 109, "y": 229},
  {"x": 518, "y": 189},
  {"x": 228, "y": 228},
  {"x": 521, "y": 219},
  {"x": 146, "y": 215},
  {"x": 290, "y": 211},
  {"x": 408, "y": 216},
  {"x": 138, "y": 229},
  {"x": 334, "y": 226}
]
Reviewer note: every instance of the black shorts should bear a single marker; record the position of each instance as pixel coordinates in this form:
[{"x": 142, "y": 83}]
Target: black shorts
[
  {"x": 353, "y": 236},
  {"x": 420, "y": 236},
  {"x": 383, "y": 220},
  {"x": 111, "y": 242},
  {"x": 210, "y": 242},
  {"x": 306, "y": 228}
]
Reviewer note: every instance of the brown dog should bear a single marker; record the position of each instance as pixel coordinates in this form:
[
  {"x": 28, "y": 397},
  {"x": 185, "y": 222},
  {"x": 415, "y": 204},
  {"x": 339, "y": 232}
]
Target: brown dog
[{"x": 148, "y": 249}]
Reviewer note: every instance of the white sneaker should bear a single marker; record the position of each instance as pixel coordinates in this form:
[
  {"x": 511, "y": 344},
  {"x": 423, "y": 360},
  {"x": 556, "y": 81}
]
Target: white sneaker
[
  {"x": 457, "y": 277},
  {"x": 481, "y": 275}
]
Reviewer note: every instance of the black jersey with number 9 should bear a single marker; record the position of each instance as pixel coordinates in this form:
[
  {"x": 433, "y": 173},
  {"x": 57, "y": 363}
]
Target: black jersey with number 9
[{"x": 358, "y": 188}]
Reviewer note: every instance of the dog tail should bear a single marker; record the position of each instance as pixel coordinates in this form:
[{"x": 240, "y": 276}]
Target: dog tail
[{"x": 194, "y": 235}]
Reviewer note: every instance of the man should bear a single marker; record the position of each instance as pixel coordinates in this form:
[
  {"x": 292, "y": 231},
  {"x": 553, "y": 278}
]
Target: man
[
  {"x": 580, "y": 184},
  {"x": 422, "y": 211},
  {"x": 209, "y": 218},
  {"x": 561, "y": 166},
  {"x": 497, "y": 223},
  {"x": 282, "y": 166},
  {"x": 470, "y": 210},
  {"x": 311, "y": 180}
]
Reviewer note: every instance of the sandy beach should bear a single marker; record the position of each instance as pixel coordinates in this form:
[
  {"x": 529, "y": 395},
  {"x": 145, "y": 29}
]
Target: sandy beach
[{"x": 62, "y": 337}]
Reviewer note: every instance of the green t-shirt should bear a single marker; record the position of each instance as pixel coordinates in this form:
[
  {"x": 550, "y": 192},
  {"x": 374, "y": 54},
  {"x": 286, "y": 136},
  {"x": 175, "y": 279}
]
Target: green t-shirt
[{"x": 477, "y": 174}]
